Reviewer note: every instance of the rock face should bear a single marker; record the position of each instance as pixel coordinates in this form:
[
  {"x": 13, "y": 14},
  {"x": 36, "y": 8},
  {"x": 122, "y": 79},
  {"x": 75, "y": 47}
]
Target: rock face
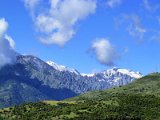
[
  {"x": 113, "y": 77},
  {"x": 30, "y": 79}
]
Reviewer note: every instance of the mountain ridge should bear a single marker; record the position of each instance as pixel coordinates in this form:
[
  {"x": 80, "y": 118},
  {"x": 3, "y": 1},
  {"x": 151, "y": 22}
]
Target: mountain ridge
[
  {"x": 123, "y": 71},
  {"x": 31, "y": 75}
]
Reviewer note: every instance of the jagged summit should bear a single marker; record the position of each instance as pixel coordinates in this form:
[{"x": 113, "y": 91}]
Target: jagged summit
[
  {"x": 124, "y": 71},
  {"x": 114, "y": 71},
  {"x": 62, "y": 67},
  {"x": 113, "y": 76},
  {"x": 107, "y": 72}
]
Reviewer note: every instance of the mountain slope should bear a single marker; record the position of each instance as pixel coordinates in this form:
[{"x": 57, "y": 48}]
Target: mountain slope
[
  {"x": 30, "y": 80},
  {"x": 17, "y": 86}
]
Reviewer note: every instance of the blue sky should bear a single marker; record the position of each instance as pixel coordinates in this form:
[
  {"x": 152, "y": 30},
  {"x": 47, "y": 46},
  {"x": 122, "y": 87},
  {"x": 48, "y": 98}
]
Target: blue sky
[{"x": 106, "y": 33}]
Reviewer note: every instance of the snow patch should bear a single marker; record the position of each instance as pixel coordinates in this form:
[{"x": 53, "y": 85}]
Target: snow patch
[
  {"x": 130, "y": 73},
  {"x": 88, "y": 75},
  {"x": 62, "y": 67}
]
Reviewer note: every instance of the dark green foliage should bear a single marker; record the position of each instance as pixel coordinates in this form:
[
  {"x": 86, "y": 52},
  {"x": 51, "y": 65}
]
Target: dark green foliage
[{"x": 128, "y": 107}]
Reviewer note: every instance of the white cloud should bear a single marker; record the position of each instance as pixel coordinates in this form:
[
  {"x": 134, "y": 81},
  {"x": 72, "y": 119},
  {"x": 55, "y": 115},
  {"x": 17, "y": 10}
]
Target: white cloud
[
  {"x": 56, "y": 25},
  {"x": 113, "y": 3},
  {"x": 10, "y": 40},
  {"x": 7, "y": 53},
  {"x": 3, "y": 27},
  {"x": 104, "y": 52}
]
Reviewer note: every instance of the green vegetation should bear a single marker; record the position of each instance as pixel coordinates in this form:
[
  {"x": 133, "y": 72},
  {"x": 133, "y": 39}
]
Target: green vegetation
[{"x": 137, "y": 101}]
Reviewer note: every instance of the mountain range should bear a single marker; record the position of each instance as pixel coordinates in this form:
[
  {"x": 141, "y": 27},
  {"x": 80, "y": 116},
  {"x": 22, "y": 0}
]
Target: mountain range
[
  {"x": 31, "y": 79},
  {"x": 139, "y": 100}
]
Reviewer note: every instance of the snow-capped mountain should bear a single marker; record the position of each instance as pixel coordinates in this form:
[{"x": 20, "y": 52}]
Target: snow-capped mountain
[
  {"x": 109, "y": 78},
  {"x": 31, "y": 79},
  {"x": 68, "y": 77},
  {"x": 114, "y": 71},
  {"x": 114, "y": 77},
  {"x": 105, "y": 74}
]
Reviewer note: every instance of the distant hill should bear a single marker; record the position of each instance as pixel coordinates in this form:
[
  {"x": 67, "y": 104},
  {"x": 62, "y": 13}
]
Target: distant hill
[{"x": 139, "y": 100}]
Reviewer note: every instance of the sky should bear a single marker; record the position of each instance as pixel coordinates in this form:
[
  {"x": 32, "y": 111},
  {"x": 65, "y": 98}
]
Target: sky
[{"x": 88, "y": 35}]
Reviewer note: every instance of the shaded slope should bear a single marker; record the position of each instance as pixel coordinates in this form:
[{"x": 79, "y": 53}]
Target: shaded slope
[{"x": 17, "y": 86}]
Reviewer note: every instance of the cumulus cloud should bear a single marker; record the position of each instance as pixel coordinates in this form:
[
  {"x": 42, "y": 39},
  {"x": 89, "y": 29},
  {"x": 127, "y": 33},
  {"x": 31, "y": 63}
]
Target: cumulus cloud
[
  {"x": 7, "y": 53},
  {"x": 56, "y": 24},
  {"x": 104, "y": 52},
  {"x": 113, "y": 3},
  {"x": 3, "y": 27}
]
